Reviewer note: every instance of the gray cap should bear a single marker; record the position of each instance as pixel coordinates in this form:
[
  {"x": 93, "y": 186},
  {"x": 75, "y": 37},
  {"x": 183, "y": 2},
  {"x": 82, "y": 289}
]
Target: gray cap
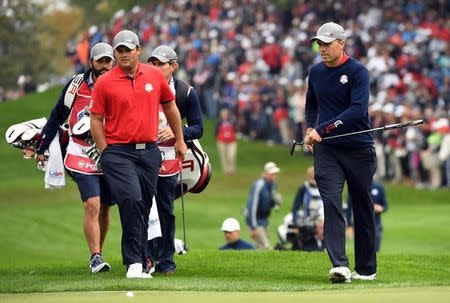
[
  {"x": 101, "y": 50},
  {"x": 126, "y": 38},
  {"x": 329, "y": 32},
  {"x": 163, "y": 53}
]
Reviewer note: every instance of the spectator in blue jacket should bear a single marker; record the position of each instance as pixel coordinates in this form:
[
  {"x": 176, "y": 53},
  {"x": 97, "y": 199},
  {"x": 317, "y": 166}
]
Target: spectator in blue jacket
[
  {"x": 380, "y": 205},
  {"x": 231, "y": 230},
  {"x": 261, "y": 199}
]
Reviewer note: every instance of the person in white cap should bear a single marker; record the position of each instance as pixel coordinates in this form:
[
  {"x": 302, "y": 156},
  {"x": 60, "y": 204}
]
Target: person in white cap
[
  {"x": 162, "y": 249},
  {"x": 124, "y": 124},
  {"x": 262, "y": 198},
  {"x": 231, "y": 231},
  {"x": 73, "y": 105},
  {"x": 337, "y": 102}
]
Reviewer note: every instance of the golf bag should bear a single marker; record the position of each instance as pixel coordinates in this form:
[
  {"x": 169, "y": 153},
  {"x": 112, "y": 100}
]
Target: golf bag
[
  {"x": 26, "y": 135},
  {"x": 196, "y": 170}
]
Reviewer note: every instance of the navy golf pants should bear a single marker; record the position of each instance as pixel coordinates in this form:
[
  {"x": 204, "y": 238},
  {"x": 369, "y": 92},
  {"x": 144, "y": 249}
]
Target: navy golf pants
[
  {"x": 332, "y": 167},
  {"x": 131, "y": 175},
  {"x": 162, "y": 249}
]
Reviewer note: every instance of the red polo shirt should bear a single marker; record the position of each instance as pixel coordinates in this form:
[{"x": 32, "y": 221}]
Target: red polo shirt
[{"x": 130, "y": 105}]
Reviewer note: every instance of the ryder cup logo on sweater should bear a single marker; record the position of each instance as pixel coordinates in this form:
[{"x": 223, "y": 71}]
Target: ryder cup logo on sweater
[
  {"x": 148, "y": 87},
  {"x": 344, "y": 79}
]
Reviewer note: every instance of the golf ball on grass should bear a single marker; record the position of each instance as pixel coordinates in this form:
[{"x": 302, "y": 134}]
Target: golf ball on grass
[{"x": 130, "y": 294}]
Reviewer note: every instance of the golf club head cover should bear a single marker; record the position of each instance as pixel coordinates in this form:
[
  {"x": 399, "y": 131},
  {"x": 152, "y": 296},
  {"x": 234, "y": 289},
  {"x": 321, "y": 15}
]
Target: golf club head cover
[{"x": 92, "y": 152}]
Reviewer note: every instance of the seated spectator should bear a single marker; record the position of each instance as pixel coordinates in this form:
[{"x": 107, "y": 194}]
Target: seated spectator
[{"x": 231, "y": 230}]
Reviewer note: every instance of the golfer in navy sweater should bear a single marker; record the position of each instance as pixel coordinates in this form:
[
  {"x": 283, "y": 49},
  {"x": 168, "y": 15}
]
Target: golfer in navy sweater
[{"x": 336, "y": 103}]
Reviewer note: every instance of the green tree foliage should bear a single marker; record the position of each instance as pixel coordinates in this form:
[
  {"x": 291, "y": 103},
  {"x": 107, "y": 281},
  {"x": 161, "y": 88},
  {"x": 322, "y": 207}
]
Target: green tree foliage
[
  {"x": 19, "y": 50},
  {"x": 55, "y": 30},
  {"x": 33, "y": 40},
  {"x": 98, "y": 12}
]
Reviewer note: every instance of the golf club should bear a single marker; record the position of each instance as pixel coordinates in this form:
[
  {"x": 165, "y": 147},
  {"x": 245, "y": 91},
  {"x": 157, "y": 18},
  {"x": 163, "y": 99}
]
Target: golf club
[
  {"x": 382, "y": 128},
  {"x": 182, "y": 207}
]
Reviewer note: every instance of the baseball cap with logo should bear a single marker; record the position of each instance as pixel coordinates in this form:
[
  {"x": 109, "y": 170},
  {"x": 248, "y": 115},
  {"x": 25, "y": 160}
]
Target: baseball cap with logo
[
  {"x": 164, "y": 54},
  {"x": 101, "y": 50},
  {"x": 230, "y": 224},
  {"x": 126, "y": 38},
  {"x": 271, "y": 168},
  {"x": 329, "y": 32}
]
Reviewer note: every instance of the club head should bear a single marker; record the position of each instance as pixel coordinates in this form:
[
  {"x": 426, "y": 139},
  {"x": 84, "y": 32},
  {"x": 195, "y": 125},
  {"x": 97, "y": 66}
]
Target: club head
[
  {"x": 417, "y": 122},
  {"x": 292, "y": 147},
  {"x": 408, "y": 123}
]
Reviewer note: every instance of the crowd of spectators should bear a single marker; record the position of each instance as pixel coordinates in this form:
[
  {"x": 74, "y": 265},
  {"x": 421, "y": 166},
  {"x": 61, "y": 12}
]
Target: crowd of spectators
[{"x": 253, "y": 58}]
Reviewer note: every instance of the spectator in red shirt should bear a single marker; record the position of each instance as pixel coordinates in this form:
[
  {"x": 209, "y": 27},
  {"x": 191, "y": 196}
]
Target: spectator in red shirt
[
  {"x": 271, "y": 53},
  {"x": 226, "y": 142}
]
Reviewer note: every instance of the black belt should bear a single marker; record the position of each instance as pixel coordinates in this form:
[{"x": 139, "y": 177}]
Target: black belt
[{"x": 148, "y": 145}]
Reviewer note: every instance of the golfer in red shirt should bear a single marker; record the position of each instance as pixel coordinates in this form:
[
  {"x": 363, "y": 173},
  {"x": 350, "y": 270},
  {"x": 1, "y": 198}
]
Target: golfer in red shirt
[{"x": 124, "y": 124}]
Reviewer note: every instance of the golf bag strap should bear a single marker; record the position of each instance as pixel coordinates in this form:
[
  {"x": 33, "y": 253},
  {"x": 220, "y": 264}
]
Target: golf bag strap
[
  {"x": 198, "y": 153},
  {"x": 72, "y": 90},
  {"x": 182, "y": 90}
]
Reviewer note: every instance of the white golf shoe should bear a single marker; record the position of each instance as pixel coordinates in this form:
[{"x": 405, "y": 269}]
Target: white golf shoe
[
  {"x": 135, "y": 271},
  {"x": 340, "y": 274},
  {"x": 356, "y": 276}
]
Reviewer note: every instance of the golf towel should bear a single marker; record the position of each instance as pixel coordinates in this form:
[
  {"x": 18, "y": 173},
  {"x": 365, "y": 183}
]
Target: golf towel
[
  {"x": 54, "y": 169},
  {"x": 154, "y": 226}
]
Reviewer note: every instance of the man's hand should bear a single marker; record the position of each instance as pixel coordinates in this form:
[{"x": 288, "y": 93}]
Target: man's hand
[
  {"x": 165, "y": 134},
  {"x": 40, "y": 160},
  {"x": 378, "y": 208},
  {"x": 311, "y": 138},
  {"x": 180, "y": 149}
]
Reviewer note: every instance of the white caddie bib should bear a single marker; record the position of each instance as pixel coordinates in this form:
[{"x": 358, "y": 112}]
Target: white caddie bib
[{"x": 76, "y": 159}]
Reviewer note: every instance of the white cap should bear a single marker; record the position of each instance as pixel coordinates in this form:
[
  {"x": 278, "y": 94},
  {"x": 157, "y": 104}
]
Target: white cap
[
  {"x": 329, "y": 32},
  {"x": 101, "y": 50},
  {"x": 271, "y": 168},
  {"x": 126, "y": 38},
  {"x": 230, "y": 224}
]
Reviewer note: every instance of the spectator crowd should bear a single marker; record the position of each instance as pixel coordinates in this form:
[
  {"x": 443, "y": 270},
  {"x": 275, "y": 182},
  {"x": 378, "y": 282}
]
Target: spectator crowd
[{"x": 253, "y": 58}]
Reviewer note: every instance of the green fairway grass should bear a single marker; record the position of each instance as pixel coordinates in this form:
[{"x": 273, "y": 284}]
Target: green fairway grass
[
  {"x": 394, "y": 295},
  {"x": 43, "y": 249}
]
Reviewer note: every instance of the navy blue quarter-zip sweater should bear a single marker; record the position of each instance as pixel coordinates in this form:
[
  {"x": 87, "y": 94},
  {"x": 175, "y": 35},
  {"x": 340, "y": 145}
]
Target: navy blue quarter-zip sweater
[{"x": 337, "y": 102}]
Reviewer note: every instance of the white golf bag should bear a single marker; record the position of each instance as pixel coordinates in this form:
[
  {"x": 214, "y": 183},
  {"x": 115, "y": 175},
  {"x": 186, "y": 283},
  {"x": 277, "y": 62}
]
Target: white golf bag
[
  {"x": 25, "y": 135},
  {"x": 196, "y": 170}
]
